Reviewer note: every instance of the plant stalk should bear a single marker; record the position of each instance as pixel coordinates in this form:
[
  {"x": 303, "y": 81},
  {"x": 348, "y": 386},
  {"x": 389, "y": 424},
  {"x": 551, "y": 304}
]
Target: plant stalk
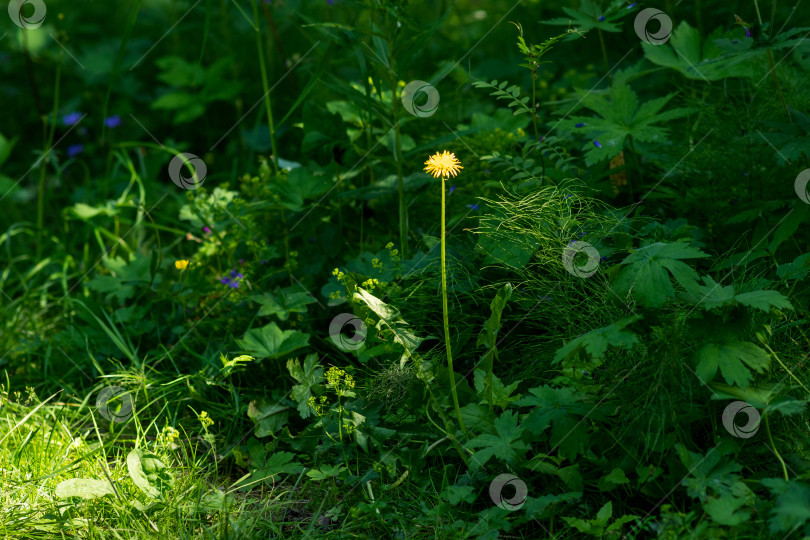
[{"x": 451, "y": 373}]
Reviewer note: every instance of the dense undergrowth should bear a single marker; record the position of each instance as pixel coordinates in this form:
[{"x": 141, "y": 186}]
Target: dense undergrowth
[{"x": 234, "y": 303}]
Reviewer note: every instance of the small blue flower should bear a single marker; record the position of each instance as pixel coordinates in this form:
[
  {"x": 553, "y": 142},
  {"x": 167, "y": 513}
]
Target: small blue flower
[
  {"x": 74, "y": 150},
  {"x": 452, "y": 189},
  {"x": 72, "y": 118},
  {"x": 604, "y": 258},
  {"x": 602, "y": 18},
  {"x": 747, "y": 32},
  {"x": 113, "y": 122},
  {"x": 597, "y": 144},
  {"x": 580, "y": 124},
  {"x": 631, "y": 6},
  {"x": 582, "y": 234},
  {"x": 584, "y": 372},
  {"x": 473, "y": 206}
]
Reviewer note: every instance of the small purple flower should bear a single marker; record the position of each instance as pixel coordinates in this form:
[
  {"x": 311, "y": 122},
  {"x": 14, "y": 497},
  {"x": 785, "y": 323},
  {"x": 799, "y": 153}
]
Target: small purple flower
[
  {"x": 206, "y": 229},
  {"x": 747, "y": 31},
  {"x": 264, "y": 262},
  {"x": 72, "y": 118},
  {"x": 540, "y": 139},
  {"x": 74, "y": 150},
  {"x": 580, "y": 124},
  {"x": 597, "y": 144},
  {"x": 631, "y": 6},
  {"x": 113, "y": 122},
  {"x": 233, "y": 281},
  {"x": 568, "y": 196},
  {"x": 582, "y": 234},
  {"x": 241, "y": 261},
  {"x": 604, "y": 258},
  {"x": 584, "y": 372},
  {"x": 452, "y": 189},
  {"x": 602, "y": 18},
  {"x": 473, "y": 206}
]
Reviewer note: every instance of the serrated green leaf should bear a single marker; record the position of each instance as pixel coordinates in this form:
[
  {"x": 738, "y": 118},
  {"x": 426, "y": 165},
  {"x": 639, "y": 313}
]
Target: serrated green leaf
[{"x": 732, "y": 358}]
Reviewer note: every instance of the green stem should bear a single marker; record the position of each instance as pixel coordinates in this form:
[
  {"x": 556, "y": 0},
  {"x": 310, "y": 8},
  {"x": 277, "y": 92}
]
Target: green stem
[
  {"x": 265, "y": 86},
  {"x": 451, "y": 373},
  {"x": 43, "y": 166},
  {"x": 773, "y": 447},
  {"x": 604, "y": 52}
]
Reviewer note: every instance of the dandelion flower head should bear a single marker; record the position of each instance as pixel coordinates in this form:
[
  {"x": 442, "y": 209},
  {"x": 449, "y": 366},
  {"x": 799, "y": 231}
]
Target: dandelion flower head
[{"x": 443, "y": 164}]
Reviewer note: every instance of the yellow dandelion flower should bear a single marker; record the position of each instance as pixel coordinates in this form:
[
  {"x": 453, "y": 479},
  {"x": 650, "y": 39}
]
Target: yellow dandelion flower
[
  {"x": 181, "y": 265},
  {"x": 443, "y": 164}
]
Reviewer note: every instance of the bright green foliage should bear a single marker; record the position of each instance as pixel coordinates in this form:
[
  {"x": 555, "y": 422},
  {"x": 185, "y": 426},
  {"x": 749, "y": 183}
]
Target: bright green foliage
[
  {"x": 270, "y": 341},
  {"x": 645, "y": 272},
  {"x": 149, "y": 473},
  {"x": 86, "y": 488},
  {"x": 621, "y": 116}
]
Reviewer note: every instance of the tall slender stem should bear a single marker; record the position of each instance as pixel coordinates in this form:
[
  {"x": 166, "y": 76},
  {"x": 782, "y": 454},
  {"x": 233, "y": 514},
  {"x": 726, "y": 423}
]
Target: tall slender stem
[
  {"x": 450, "y": 372},
  {"x": 265, "y": 87}
]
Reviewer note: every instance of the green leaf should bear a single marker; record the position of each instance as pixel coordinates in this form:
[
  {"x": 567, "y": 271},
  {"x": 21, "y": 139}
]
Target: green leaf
[
  {"x": 501, "y": 396},
  {"x": 596, "y": 342},
  {"x": 731, "y": 358},
  {"x": 645, "y": 272},
  {"x": 506, "y": 445},
  {"x": 390, "y": 317},
  {"x": 86, "y": 488},
  {"x": 326, "y": 471},
  {"x": 309, "y": 377},
  {"x": 270, "y": 341},
  {"x": 148, "y": 473},
  {"x": 282, "y": 302},
  {"x": 683, "y": 53},
  {"x": 268, "y": 418}
]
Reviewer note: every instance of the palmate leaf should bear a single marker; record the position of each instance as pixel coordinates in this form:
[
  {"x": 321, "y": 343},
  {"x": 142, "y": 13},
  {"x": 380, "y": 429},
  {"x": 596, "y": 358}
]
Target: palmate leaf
[
  {"x": 645, "y": 272},
  {"x": 506, "y": 444},
  {"x": 621, "y": 117},
  {"x": 683, "y": 53},
  {"x": 587, "y": 16},
  {"x": 713, "y": 295},
  {"x": 596, "y": 341},
  {"x": 731, "y": 357},
  {"x": 792, "y": 506},
  {"x": 268, "y": 417},
  {"x": 309, "y": 377},
  {"x": 270, "y": 341}
]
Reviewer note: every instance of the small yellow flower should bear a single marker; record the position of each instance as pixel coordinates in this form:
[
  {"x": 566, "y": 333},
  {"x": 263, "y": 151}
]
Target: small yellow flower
[
  {"x": 181, "y": 265},
  {"x": 376, "y": 263},
  {"x": 205, "y": 421},
  {"x": 443, "y": 164}
]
